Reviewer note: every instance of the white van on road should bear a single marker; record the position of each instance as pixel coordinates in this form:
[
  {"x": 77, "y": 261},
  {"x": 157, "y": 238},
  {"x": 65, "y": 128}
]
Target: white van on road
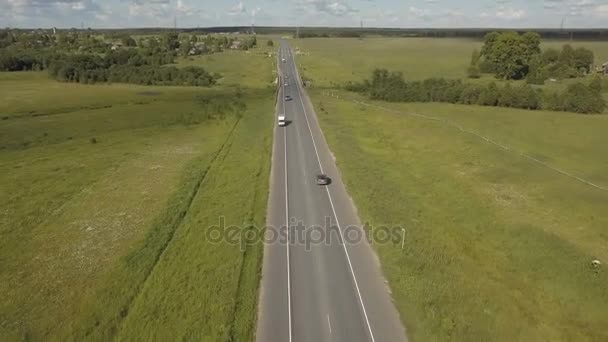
[{"x": 281, "y": 121}]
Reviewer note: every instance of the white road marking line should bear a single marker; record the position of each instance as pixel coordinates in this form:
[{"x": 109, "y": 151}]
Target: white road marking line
[
  {"x": 329, "y": 323},
  {"x": 287, "y": 221},
  {"x": 336, "y": 216}
]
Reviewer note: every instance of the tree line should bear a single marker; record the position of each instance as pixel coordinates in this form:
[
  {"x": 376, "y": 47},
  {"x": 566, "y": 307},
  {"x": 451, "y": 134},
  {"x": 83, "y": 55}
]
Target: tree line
[
  {"x": 26, "y": 60},
  {"x": 126, "y": 66},
  {"x": 391, "y": 86},
  {"x": 89, "y": 41},
  {"x": 513, "y": 56},
  {"x": 146, "y": 64}
]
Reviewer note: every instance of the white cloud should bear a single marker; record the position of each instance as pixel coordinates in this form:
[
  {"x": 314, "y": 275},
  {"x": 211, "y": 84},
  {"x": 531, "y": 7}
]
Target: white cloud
[
  {"x": 255, "y": 11},
  {"x": 427, "y": 13},
  {"x": 237, "y": 9},
  {"x": 337, "y": 8},
  {"x": 601, "y": 11},
  {"x": 509, "y": 13}
]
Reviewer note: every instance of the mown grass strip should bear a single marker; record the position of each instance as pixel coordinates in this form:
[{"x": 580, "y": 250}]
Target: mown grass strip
[
  {"x": 103, "y": 321},
  {"x": 243, "y": 327},
  {"x": 205, "y": 288}
]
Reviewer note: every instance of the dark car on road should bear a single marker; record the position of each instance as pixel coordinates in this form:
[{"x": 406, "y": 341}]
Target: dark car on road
[
  {"x": 323, "y": 179},
  {"x": 287, "y": 98}
]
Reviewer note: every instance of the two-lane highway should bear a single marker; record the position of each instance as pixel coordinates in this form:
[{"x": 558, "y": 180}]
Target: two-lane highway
[{"x": 316, "y": 291}]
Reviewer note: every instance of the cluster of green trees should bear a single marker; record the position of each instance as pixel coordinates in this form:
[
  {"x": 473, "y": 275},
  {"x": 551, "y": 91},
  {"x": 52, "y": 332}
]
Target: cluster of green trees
[
  {"x": 26, "y": 60},
  {"x": 311, "y": 35},
  {"x": 509, "y": 55},
  {"x": 340, "y": 34},
  {"x": 567, "y": 63},
  {"x": 214, "y": 44},
  {"x": 249, "y": 43},
  {"x": 41, "y": 59},
  {"x": 391, "y": 86},
  {"x": 81, "y": 40},
  {"x": 138, "y": 63},
  {"x": 189, "y": 45},
  {"x": 88, "y": 41},
  {"x": 126, "y": 66}
]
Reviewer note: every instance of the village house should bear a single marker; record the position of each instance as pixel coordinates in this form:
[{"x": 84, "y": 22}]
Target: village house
[
  {"x": 236, "y": 45},
  {"x": 605, "y": 68}
]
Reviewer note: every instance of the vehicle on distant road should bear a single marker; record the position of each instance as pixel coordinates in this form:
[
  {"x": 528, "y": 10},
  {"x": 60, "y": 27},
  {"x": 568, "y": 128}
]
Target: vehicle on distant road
[
  {"x": 284, "y": 60},
  {"x": 323, "y": 179},
  {"x": 286, "y": 84},
  {"x": 287, "y": 98},
  {"x": 281, "y": 121}
]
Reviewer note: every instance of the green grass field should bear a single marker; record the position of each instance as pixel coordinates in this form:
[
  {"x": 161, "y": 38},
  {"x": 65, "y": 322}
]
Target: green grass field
[
  {"x": 260, "y": 65},
  {"x": 498, "y": 247},
  {"x": 107, "y": 193},
  {"x": 335, "y": 61}
]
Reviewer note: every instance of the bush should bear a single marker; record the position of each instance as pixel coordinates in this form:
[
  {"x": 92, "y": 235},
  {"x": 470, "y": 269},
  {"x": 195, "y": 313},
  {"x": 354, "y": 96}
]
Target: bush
[
  {"x": 508, "y": 97},
  {"x": 537, "y": 73},
  {"x": 529, "y": 98},
  {"x": 126, "y": 67},
  {"x": 580, "y": 98},
  {"x": 487, "y": 67},
  {"x": 596, "y": 85},
  {"x": 489, "y": 96},
  {"x": 560, "y": 70},
  {"x": 550, "y": 56},
  {"x": 552, "y": 101},
  {"x": 538, "y": 78},
  {"x": 473, "y": 71},
  {"x": 470, "y": 94},
  {"x": 390, "y": 86},
  {"x": 357, "y": 87}
]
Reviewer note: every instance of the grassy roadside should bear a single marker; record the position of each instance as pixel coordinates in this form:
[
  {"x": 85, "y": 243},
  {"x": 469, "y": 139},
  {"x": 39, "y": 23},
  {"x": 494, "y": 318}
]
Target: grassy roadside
[
  {"x": 335, "y": 61},
  {"x": 89, "y": 204},
  {"x": 175, "y": 302},
  {"x": 497, "y": 248},
  {"x": 101, "y": 183}
]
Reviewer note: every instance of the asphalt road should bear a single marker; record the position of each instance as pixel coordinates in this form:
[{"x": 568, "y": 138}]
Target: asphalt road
[{"x": 321, "y": 291}]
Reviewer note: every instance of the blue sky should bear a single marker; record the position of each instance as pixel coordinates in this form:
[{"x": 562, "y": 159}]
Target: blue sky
[{"x": 377, "y": 13}]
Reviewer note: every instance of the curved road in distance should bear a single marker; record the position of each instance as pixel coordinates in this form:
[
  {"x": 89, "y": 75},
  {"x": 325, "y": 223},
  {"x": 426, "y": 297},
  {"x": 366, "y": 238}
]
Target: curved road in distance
[{"x": 328, "y": 291}]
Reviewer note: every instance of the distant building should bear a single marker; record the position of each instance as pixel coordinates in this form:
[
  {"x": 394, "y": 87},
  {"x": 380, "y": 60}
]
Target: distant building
[
  {"x": 236, "y": 45},
  {"x": 605, "y": 68}
]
